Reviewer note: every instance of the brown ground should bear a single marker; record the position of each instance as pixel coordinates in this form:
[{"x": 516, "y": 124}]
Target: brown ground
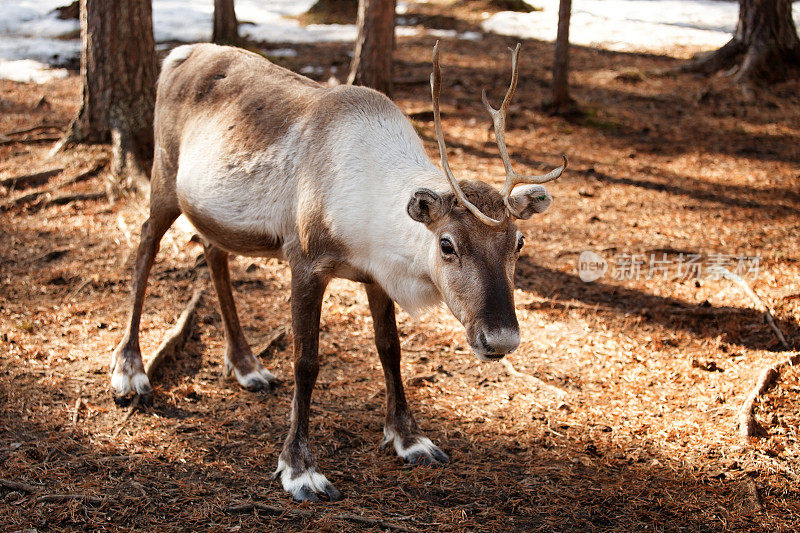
[{"x": 654, "y": 370}]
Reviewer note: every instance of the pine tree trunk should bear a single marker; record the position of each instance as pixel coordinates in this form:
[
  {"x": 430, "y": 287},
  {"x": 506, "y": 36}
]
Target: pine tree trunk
[
  {"x": 372, "y": 60},
  {"x": 764, "y": 49},
  {"x": 226, "y": 26},
  {"x": 118, "y": 72},
  {"x": 561, "y": 97}
]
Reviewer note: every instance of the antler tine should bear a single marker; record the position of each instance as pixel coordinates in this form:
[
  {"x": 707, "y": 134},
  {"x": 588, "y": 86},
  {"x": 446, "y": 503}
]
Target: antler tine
[
  {"x": 436, "y": 87},
  {"x": 499, "y": 118}
]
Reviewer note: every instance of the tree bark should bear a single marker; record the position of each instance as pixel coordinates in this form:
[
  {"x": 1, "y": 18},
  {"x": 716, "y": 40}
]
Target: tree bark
[
  {"x": 764, "y": 48},
  {"x": 561, "y": 97},
  {"x": 118, "y": 72},
  {"x": 226, "y": 25},
  {"x": 372, "y": 60}
]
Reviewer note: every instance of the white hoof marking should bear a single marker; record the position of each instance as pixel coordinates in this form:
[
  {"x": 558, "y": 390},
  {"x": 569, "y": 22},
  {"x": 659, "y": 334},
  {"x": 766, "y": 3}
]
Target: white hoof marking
[
  {"x": 124, "y": 384},
  {"x": 302, "y": 484},
  {"x": 121, "y": 383},
  {"x": 255, "y": 379},
  {"x": 421, "y": 447}
]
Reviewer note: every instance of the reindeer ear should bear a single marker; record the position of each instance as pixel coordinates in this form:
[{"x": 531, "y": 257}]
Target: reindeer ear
[
  {"x": 425, "y": 206},
  {"x": 529, "y": 199}
]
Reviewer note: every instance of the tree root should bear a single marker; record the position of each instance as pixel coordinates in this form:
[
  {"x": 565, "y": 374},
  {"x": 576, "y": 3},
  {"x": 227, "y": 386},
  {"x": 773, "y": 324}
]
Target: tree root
[
  {"x": 173, "y": 341},
  {"x": 751, "y": 64},
  {"x": 31, "y": 180},
  {"x": 748, "y": 425},
  {"x": 760, "y": 305},
  {"x": 308, "y": 513},
  {"x": 36, "y": 196}
]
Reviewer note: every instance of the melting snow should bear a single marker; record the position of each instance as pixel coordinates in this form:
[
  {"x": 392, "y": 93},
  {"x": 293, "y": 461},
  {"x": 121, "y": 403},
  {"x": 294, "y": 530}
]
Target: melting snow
[{"x": 32, "y": 37}]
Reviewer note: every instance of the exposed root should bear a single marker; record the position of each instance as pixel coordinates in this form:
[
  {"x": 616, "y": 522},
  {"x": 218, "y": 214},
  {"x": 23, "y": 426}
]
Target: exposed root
[
  {"x": 173, "y": 341},
  {"x": 307, "y": 513},
  {"x": 712, "y": 62},
  {"x": 760, "y": 305},
  {"x": 37, "y": 196},
  {"x": 748, "y": 425},
  {"x": 31, "y": 180},
  {"x": 64, "y": 199},
  {"x": 29, "y": 140},
  {"x": 33, "y": 128}
]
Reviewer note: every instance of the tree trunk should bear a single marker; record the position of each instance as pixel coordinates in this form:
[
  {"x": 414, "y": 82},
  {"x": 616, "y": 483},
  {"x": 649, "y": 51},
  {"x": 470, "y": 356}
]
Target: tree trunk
[
  {"x": 372, "y": 60},
  {"x": 561, "y": 97},
  {"x": 226, "y": 26},
  {"x": 118, "y": 72},
  {"x": 764, "y": 47}
]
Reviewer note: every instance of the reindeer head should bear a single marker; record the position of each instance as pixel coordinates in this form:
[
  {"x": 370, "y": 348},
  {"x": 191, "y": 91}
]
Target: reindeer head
[{"x": 476, "y": 242}]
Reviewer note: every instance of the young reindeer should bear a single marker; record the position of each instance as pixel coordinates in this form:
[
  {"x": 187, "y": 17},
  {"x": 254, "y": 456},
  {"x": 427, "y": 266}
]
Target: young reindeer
[{"x": 265, "y": 162}]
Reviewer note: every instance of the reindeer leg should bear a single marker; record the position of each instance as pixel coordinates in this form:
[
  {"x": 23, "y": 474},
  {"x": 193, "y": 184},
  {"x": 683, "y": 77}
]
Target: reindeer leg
[
  {"x": 401, "y": 429},
  {"x": 127, "y": 370},
  {"x": 296, "y": 466},
  {"x": 239, "y": 359}
]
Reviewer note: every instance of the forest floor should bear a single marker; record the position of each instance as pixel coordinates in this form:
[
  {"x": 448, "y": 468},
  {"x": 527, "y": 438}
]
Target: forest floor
[{"x": 653, "y": 369}]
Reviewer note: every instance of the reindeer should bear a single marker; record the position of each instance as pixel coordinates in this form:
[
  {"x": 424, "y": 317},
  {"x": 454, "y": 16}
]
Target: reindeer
[{"x": 265, "y": 162}]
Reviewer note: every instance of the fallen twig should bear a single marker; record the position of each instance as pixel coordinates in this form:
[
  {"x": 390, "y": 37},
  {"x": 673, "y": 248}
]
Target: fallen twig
[
  {"x": 760, "y": 305},
  {"x": 748, "y": 426},
  {"x": 76, "y": 415},
  {"x": 174, "y": 339},
  {"x": 18, "y": 485},
  {"x": 536, "y": 382},
  {"x": 65, "y": 497},
  {"x": 307, "y": 513}
]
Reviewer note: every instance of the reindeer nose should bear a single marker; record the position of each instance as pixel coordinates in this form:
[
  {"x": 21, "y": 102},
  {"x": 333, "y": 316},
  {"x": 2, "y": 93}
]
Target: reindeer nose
[{"x": 498, "y": 343}]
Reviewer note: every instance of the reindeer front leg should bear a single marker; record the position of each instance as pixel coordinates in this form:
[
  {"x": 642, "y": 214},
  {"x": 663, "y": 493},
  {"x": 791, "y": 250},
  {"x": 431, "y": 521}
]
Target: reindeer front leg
[
  {"x": 296, "y": 466},
  {"x": 401, "y": 429}
]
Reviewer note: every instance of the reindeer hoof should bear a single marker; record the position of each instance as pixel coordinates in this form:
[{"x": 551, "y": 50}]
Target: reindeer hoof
[
  {"x": 123, "y": 385},
  {"x": 259, "y": 379},
  {"x": 416, "y": 450},
  {"x": 429, "y": 457},
  {"x": 306, "y": 485}
]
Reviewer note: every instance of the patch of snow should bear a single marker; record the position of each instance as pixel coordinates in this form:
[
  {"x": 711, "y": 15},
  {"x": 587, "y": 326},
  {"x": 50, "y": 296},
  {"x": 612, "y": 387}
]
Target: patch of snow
[
  {"x": 281, "y": 52},
  {"x": 29, "y": 71},
  {"x": 628, "y": 25},
  {"x": 29, "y": 30},
  {"x": 312, "y": 70},
  {"x": 50, "y": 51},
  {"x": 471, "y": 36}
]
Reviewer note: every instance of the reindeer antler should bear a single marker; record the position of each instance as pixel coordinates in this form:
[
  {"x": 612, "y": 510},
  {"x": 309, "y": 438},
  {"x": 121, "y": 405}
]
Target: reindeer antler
[
  {"x": 499, "y": 118},
  {"x": 436, "y": 87}
]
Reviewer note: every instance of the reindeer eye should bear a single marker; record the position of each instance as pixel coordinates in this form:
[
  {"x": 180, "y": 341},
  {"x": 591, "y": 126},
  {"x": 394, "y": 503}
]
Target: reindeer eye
[
  {"x": 447, "y": 246},
  {"x": 520, "y": 242}
]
